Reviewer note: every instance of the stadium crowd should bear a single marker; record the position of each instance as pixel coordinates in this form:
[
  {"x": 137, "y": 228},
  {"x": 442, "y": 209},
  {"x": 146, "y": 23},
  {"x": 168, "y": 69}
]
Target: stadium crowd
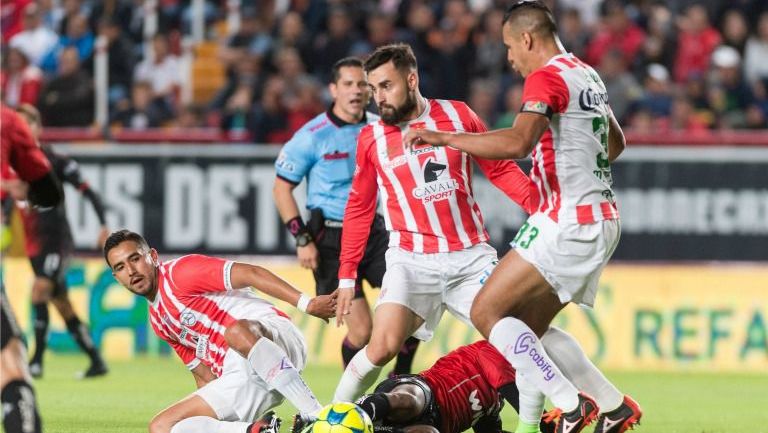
[{"x": 676, "y": 65}]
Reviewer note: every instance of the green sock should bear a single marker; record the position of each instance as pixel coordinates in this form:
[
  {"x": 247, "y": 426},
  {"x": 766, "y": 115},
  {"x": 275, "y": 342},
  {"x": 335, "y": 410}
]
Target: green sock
[{"x": 524, "y": 427}]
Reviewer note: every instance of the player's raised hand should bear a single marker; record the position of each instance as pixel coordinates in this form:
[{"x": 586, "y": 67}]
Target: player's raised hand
[
  {"x": 343, "y": 303},
  {"x": 415, "y": 137},
  {"x": 323, "y": 306}
]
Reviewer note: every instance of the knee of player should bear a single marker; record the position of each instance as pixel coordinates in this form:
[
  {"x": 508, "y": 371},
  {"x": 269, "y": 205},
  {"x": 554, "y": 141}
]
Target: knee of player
[
  {"x": 379, "y": 353},
  {"x": 480, "y": 317},
  {"x": 240, "y": 335},
  {"x": 359, "y": 336}
]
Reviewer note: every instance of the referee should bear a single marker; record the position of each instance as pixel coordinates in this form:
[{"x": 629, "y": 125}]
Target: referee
[{"x": 323, "y": 151}]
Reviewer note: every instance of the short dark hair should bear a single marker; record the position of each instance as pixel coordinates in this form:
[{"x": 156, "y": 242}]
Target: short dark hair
[
  {"x": 118, "y": 237},
  {"x": 401, "y": 56},
  {"x": 536, "y": 13},
  {"x": 345, "y": 62}
]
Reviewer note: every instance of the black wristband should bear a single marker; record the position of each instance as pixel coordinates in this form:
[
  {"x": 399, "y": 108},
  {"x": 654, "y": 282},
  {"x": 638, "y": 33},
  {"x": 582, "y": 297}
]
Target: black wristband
[{"x": 296, "y": 226}]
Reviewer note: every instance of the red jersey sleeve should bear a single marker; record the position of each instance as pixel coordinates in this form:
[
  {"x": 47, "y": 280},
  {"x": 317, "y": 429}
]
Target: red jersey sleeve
[
  {"x": 361, "y": 207},
  {"x": 197, "y": 275},
  {"x": 506, "y": 175},
  {"x": 19, "y": 149},
  {"x": 496, "y": 370},
  {"x": 545, "y": 92}
]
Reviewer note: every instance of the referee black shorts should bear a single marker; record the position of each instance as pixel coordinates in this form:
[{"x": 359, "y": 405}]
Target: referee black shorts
[{"x": 371, "y": 268}]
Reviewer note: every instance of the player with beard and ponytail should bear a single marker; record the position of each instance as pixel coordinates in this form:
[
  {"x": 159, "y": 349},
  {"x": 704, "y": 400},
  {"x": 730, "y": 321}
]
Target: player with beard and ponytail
[{"x": 438, "y": 257}]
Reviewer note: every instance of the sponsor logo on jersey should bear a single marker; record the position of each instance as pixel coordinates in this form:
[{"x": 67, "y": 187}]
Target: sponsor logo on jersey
[
  {"x": 188, "y": 318},
  {"x": 336, "y": 155},
  {"x": 284, "y": 163},
  {"x": 589, "y": 100},
  {"x": 437, "y": 185},
  {"x": 395, "y": 162}
]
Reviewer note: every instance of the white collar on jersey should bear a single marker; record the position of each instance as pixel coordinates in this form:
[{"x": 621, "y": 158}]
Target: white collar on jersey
[{"x": 421, "y": 117}]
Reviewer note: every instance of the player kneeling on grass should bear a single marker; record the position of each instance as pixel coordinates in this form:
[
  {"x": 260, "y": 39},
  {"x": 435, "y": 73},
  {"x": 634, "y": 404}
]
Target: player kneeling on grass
[
  {"x": 244, "y": 353},
  {"x": 464, "y": 389}
]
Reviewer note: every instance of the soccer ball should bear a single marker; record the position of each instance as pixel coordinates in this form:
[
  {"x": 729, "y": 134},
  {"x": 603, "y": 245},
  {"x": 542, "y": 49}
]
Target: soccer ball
[{"x": 342, "y": 418}]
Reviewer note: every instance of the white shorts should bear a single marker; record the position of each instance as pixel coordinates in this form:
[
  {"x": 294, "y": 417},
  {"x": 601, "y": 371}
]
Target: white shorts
[
  {"x": 428, "y": 284},
  {"x": 239, "y": 394},
  {"x": 569, "y": 256}
]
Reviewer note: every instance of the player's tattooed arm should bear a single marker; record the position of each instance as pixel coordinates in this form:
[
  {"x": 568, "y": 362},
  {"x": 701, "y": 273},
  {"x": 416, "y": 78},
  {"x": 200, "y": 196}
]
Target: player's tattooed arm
[{"x": 202, "y": 374}]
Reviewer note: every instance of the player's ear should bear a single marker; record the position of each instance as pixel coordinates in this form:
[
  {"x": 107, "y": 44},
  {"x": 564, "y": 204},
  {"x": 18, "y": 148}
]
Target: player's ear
[
  {"x": 153, "y": 256},
  {"x": 332, "y": 89},
  {"x": 527, "y": 41},
  {"x": 413, "y": 80}
]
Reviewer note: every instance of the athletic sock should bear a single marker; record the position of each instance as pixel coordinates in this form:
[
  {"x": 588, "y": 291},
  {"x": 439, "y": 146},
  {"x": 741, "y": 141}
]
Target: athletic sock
[
  {"x": 82, "y": 336},
  {"x": 272, "y": 365},
  {"x": 531, "y": 404},
  {"x": 348, "y": 351},
  {"x": 570, "y": 358},
  {"x": 19, "y": 408},
  {"x": 520, "y": 346},
  {"x": 42, "y": 320},
  {"x": 206, "y": 424},
  {"x": 405, "y": 357},
  {"x": 359, "y": 375}
]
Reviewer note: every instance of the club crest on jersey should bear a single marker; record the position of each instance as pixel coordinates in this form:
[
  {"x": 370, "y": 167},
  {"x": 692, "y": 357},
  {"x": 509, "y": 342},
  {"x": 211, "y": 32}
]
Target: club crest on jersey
[
  {"x": 436, "y": 186},
  {"x": 188, "y": 318}
]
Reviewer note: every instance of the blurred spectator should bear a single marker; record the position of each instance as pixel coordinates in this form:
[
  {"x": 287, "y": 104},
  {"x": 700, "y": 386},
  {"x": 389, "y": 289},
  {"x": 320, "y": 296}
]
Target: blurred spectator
[
  {"x": 162, "y": 70},
  {"x": 117, "y": 12},
  {"x": 729, "y": 95},
  {"x": 11, "y": 18},
  {"x": 659, "y": 45},
  {"x": 572, "y": 32},
  {"x": 755, "y": 58},
  {"x": 35, "y": 40},
  {"x": 292, "y": 34},
  {"x": 144, "y": 110},
  {"x": 695, "y": 43},
  {"x": 70, "y": 9},
  {"x": 305, "y": 104},
  {"x": 121, "y": 59},
  {"x": 616, "y": 32},
  {"x": 589, "y": 10},
  {"x": 21, "y": 81},
  {"x": 735, "y": 30},
  {"x": 79, "y": 36},
  {"x": 657, "y": 99},
  {"x": 482, "y": 98},
  {"x": 269, "y": 122},
  {"x": 333, "y": 45},
  {"x": 420, "y": 22},
  {"x": 622, "y": 87},
  {"x": 288, "y": 66},
  {"x": 190, "y": 117},
  {"x": 252, "y": 38},
  {"x": 685, "y": 119},
  {"x": 67, "y": 100},
  {"x": 235, "y": 115},
  {"x": 512, "y": 103},
  {"x": 381, "y": 31},
  {"x": 249, "y": 71},
  {"x": 490, "y": 52}
]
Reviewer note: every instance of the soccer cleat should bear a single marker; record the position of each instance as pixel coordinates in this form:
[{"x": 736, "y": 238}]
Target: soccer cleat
[
  {"x": 268, "y": 423},
  {"x": 95, "y": 370},
  {"x": 301, "y": 422},
  {"x": 36, "y": 369},
  {"x": 621, "y": 419},
  {"x": 575, "y": 420}
]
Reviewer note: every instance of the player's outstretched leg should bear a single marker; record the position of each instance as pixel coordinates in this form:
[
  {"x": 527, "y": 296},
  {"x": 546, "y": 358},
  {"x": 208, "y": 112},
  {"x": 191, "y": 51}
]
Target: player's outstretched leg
[
  {"x": 513, "y": 308},
  {"x": 271, "y": 363},
  {"x": 392, "y": 323}
]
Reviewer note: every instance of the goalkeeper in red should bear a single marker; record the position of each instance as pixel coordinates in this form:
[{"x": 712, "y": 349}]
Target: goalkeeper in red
[{"x": 464, "y": 389}]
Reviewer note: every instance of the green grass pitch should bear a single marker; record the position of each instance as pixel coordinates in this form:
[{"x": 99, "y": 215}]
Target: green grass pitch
[{"x": 126, "y": 399}]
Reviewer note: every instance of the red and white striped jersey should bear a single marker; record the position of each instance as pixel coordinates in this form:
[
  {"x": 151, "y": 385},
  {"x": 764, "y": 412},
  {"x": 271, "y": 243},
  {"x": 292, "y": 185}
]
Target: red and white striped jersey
[
  {"x": 194, "y": 305},
  {"x": 426, "y": 191},
  {"x": 571, "y": 174}
]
